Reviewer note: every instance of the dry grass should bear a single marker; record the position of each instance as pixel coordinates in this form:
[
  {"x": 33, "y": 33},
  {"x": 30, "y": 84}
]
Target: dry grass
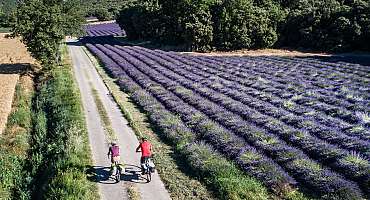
[
  {"x": 7, "y": 88},
  {"x": 14, "y": 60},
  {"x": 12, "y": 51},
  {"x": 100, "y": 22},
  {"x": 260, "y": 52}
]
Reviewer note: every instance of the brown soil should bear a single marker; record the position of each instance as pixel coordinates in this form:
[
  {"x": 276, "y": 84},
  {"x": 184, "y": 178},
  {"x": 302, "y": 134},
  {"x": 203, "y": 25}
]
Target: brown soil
[
  {"x": 14, "y": 61},
  {"x": 7, "y": 85},
  {"x": 100, "y": 22},
  {"x": 12, "y": 51}
]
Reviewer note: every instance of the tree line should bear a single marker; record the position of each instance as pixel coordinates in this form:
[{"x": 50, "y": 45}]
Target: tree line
[{"x": 202, "y": 25}]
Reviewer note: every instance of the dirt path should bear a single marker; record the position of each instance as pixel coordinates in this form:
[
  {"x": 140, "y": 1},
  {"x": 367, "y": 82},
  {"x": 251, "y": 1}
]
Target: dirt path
[{"x": 88, "y": 79}]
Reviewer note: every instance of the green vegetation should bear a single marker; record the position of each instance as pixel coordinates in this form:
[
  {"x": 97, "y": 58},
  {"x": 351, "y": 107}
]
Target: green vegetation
[
  {"x": 60, "y": 153},
  {"x": 43, "y": 24},
  {"x": 14, "y": 144},
  {"x": 4, "y": 30},
  {"x": 332, "y": 25},
  {"x": 7, "y": 8},
  {"x": 104, "y": 117},
  {"x": 103, "y": 9}
]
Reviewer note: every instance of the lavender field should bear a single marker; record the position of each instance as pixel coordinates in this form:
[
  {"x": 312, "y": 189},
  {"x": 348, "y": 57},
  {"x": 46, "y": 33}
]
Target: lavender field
[
  {"x": 105, "y": 29},
  {"x": 291, "y": 123}
]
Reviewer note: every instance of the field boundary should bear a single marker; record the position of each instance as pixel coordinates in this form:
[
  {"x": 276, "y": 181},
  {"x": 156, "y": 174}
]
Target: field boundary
[{"x": 14, "y": 142}]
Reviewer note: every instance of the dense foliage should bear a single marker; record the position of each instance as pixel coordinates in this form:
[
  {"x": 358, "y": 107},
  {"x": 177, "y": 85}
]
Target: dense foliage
[
  {"x": 288, "y": 122},
  {"x": 7, "y": 7},
  {"x": 234, "y": 24},
  {"x": 328, "y": 25},
  {"x": 43, "y": 24},
  {"x": 102, "y": 9}
]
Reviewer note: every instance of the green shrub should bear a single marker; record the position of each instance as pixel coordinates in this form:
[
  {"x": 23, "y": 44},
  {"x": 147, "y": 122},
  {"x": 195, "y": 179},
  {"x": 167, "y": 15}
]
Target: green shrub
[{"x": 102, "y": 14}]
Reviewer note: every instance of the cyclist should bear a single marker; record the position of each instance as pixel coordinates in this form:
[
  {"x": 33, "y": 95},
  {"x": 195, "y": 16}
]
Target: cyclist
[
  {"x": 146, "y": 151},
  {"x": 114, "y": 152}
]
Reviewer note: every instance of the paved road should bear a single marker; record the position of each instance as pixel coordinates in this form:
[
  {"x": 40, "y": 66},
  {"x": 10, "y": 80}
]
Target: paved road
[{"x": 88, "y": 78}]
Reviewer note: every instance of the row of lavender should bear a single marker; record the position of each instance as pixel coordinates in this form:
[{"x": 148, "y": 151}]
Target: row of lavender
[
  {"x": 104, "y": 29},
  {"x": 226, "y": 111}
]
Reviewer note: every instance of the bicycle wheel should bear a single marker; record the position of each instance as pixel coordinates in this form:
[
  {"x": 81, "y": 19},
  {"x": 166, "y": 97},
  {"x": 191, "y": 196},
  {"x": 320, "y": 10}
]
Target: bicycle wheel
[
  {"x": 148, "y": 175},
  {"x": 118, "y": 174}
]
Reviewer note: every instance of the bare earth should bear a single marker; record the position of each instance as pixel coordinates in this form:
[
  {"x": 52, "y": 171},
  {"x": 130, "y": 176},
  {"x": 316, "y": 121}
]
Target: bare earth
[
  {"x": 7, "y": 88},
  {"x": 12, "y": 51},
  {"x": 261, "y": 52},
  {"x": 14, "y": 58}
]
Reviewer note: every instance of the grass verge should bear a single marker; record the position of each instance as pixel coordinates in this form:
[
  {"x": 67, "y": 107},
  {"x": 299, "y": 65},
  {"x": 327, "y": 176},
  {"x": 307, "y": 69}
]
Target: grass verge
[
  {"x": 14, "y": 142},
  {"x": 222, "y": 176},
  {"x": 60, "y": 152},
  {"x": 104, "y": 117}
]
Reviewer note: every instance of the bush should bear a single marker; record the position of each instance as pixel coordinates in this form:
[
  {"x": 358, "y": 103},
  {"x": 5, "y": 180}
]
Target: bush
[
  {"x": 102, "y": 14},
  {"x": 140, "y": 21}
]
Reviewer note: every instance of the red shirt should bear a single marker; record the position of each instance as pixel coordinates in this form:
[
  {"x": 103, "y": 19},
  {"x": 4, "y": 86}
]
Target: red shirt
[{"x": 145, "y": 149}]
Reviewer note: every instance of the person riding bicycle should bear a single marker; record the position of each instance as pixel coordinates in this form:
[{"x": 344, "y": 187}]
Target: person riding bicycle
[
  {"x": 146, "y": 151},
  {"x": 114, "y": 152}
]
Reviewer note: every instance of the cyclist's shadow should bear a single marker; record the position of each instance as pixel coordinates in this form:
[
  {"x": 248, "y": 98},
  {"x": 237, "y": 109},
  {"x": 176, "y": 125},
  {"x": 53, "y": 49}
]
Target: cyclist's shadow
[
  {"x": 100, "y": 174},
  {"x": 132, "y": 173}
]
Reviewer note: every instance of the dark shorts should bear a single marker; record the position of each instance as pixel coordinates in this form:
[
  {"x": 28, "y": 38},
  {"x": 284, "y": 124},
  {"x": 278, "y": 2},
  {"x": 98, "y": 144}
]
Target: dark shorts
[{"x": 144, "y": 159}]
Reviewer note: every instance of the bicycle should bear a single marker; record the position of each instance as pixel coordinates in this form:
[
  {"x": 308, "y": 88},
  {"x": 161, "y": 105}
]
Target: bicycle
[
  {"x": 148, "y": 170},
  {"x": 116, "y": 171}
]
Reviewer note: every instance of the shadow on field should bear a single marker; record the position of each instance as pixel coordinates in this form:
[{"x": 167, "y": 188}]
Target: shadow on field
[{"x": 17, "y": 68}]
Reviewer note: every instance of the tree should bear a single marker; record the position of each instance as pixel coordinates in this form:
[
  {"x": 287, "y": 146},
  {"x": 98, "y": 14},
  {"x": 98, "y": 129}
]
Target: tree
[
  {"x": 7, "y": 8},
  {"x": 43, "y": 24}
]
